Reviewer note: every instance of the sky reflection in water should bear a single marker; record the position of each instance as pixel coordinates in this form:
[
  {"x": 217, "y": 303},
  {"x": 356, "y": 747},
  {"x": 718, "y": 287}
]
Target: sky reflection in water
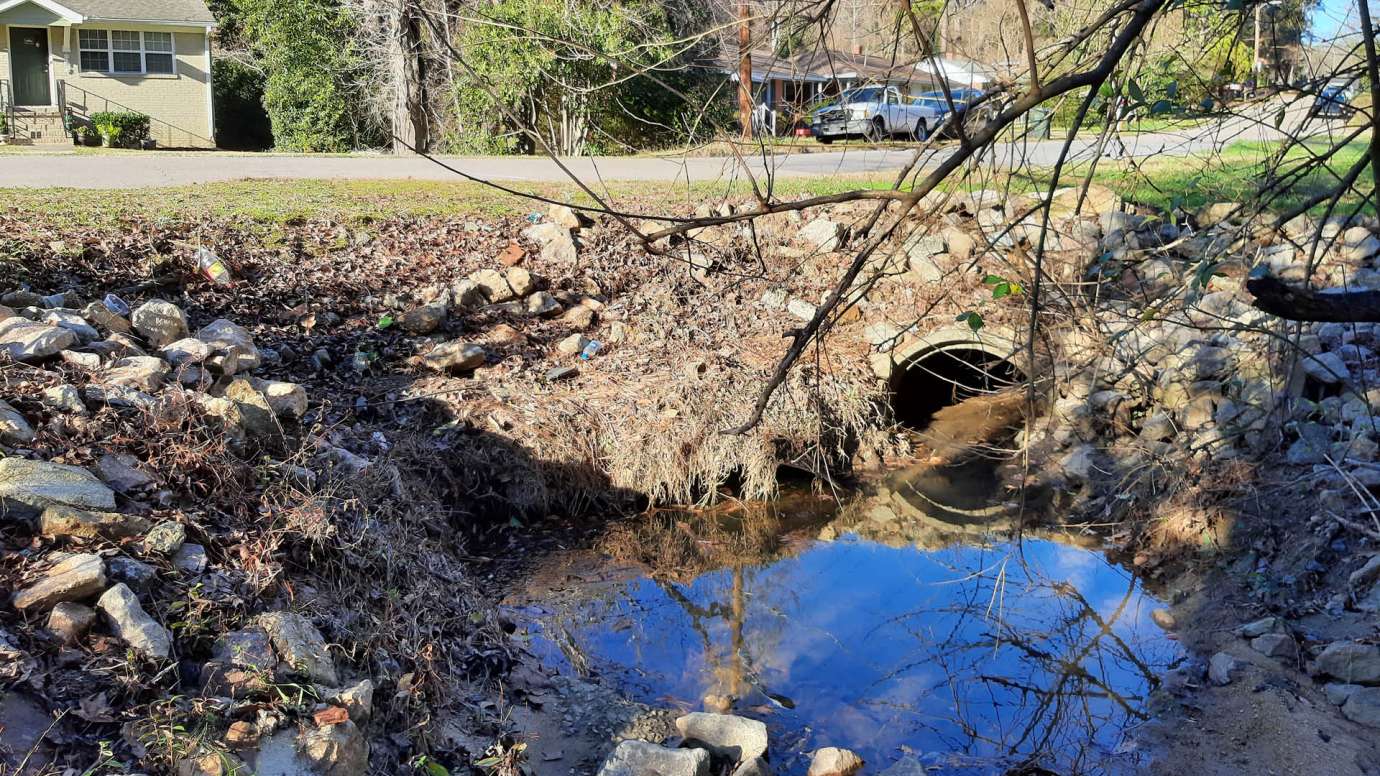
[{"x": 976, "y": 652}]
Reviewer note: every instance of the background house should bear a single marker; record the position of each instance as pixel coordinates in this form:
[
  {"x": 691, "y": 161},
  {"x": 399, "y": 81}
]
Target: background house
[{"x": 79, "y": 57}]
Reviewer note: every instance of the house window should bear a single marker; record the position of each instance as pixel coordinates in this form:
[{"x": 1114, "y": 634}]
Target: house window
[{"x": 125, "y": 52}]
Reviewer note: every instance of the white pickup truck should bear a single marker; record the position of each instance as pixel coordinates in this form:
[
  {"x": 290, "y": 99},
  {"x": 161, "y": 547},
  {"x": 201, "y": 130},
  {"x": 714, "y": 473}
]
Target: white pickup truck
[{"x": 876, "y": 113}]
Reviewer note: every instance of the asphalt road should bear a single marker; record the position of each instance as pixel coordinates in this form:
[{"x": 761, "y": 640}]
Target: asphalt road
[{"x": 127, "y": 170}]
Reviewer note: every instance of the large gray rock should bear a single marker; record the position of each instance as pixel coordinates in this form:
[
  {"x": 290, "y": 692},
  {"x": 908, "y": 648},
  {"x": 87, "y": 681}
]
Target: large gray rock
[
  {"x": 14, "y": 428},
  {"x": 232, "y": 345},
  {"x": 287, "y": 400},
  {"x": 256, "y": 414},
  {"x": 833, "y": 761},
  {"x": 822, "y": 233},
  {"x": 188, "y": 350},
  {"x": 906, "y": 766},
  {"x": 64, "y": 520},
  {"x": 1363, "y": 707},
  {"x": 65, "y": 398},
  {"x": 132, "y": 625},
  {"x": 424, "y": 319},
  {"x": 455, "y": 356},
  {"x": 726, "y": 736},
  {"x": 70, "y": 620},
  {"x": 166, "y": 538},
  {"x": 639, "y": 758},
  {"x": 28, "y": 487},
  {"x": 142, "y": 373},
  {"x": 1326, "y": 368},
  {"x": 75, "y": 578},
  {"x": 24, "y": 340},
  {"x": 73, "y": 322},
  {"x": 122, "y": 472},
  {"x": 300, "y": 646},
  {"x": 1349, "y": 662},
  {"x": 336, "y": 750},
  {"x": 161, "y": 323},
  {"x": 1221, "y": 666},
  {"x": 494, "y": 286}
]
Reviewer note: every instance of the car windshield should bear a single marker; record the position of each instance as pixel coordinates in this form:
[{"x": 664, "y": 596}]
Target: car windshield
[
  {"x": 959, "y": 95},
  {"x": 870, "y": 94}
]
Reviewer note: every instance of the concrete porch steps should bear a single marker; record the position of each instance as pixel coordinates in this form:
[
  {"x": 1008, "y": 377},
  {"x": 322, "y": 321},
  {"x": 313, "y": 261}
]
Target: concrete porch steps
[{"x": 38, "y": 128}]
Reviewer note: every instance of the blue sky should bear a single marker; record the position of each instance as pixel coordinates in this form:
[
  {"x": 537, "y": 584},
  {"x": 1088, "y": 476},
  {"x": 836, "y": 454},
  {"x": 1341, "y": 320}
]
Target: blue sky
[{"x": 1330, "y": 17}]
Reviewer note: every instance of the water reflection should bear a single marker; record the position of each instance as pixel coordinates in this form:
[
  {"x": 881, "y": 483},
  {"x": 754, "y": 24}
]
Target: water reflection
[{"x": 976, "y": 657}]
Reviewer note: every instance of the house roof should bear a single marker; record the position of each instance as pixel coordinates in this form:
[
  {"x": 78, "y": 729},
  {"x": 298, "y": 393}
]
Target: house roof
[
  {"x": 821, "y": 65},
  {"x": 155, "y": 11}
]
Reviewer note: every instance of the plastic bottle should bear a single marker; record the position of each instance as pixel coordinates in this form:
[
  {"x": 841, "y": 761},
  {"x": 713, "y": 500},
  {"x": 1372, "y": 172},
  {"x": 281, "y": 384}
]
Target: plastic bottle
[
  {"x": 116, "y": 305},
  {"x": 210, "y": 265},
  {"x": 590, "y": 349}
]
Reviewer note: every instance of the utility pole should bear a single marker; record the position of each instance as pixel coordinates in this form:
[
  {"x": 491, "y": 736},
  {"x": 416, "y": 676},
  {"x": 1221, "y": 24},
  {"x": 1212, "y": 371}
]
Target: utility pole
[{"x": 744, "y": 69}]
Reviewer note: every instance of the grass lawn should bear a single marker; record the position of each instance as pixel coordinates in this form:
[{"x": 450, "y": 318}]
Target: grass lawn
[{"x": 1236, "y": 174}]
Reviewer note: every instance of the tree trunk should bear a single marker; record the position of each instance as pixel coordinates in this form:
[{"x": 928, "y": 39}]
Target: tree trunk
[
  {"x": 410, "y": 126},
  {"x": 744, "y": 69}
]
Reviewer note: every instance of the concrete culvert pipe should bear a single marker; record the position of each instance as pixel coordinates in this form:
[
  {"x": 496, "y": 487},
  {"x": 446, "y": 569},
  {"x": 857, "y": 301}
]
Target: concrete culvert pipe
[{"x": 942, "y": 377}]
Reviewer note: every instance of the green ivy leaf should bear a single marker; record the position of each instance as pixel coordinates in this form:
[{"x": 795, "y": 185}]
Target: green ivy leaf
[
  {"x": 973, "y": 319},
  {"x": 385, "y": 321}
]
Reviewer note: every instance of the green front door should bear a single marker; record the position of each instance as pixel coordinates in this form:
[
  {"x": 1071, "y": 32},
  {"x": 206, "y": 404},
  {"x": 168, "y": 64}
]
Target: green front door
[{"x": 29, "y": 63}]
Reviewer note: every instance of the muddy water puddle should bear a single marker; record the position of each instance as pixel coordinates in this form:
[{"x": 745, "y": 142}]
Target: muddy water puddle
[{"x": 972, "y": 656}]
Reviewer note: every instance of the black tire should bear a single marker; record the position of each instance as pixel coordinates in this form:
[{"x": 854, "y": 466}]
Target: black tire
[
  {"x": 824, "y": 139},
  {"x": 922, "y": 131},
  {"x": 876, "y": 131}
]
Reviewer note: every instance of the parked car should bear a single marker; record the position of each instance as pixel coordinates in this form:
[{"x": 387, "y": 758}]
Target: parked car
[
  {"x": 961, "y": 98},
  {"x": 874, "y": 112},
  {"x": 1333, "y": 100}
]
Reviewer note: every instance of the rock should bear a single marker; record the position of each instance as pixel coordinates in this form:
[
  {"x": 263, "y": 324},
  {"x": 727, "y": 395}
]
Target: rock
[
  {"x": 572, "y": 345},
  {"x": 132, "y": 625},
  {"x": 287, "y": 400},
  {"x": 579, "y": 317},
  {"x": 28, "y": 487},
  {"x": 920, "y": 250},
  {"x": 1163, "y": 618},
  {"x": 1220, "y": 669},
  {"x": 70, "y": 620},
  {"x": 564, "y": 215},
  {"x": 455, "y": 356},
  {"x": 73, "y": 322},
  {"x": 1260, "y": 627},
  {"x": 256, "y": 415},
  {"x": 468, "y": 294},
  {"x": 822, "y": 233},
  {"x": 493, "y": 284},
  {"x": 543, "y": 304},
  {"x": 188, "y": 350},
  {"x": 1349, "y": 662},
  {"x": 906, "y": 766},
  {"x": 959, "y": 244},
  {"x": 1279, "y": 645},
  {"x": 726, "y": 736},
  {"x": 639, "y": 758},
  {"x": 801, "y": 309},
  {"x": 166, "y": 538},
  {"x": 1337, "y": 693},
  {"x": 14, "y": 428},
  {"x": 137, "y": 574},
  {"x": 520, "y": 281},
  {"x": 190, "y": 558},
  {"x": 242, "y": 735},
  {"x": 1363, "y": 707},
  {"x": 65, "y": 398},
  {"x": 755, "y": 767},
  {"x": 232, "y": 345},
  {"x": 833, "y": 761},
  {"x": 424, "y": 319},
  {"x": 122, "y": 473},
  {"x": 336, "y": 750},
  {"x": 561, "y": 373},
  {"x": 142, "y": 373},
  {"x": 159, "y": 322},
  {"x": 300, "y": 647},
  {"x": 557, "y": 243},
  {"x": 77, "y": 577},
  {"x": 203, "y": 761},
  {"x": 1216, "y": 213},
  {"x": 1326, "y": 368},
  {"x": 1080, "y": 462},
  {"x": 512, "y": 255},
  {"x": 1366, "y": 575},
  {"x": 246, "y": 648},
  {"x": 101, "y": 316},
  {"x": 87, "y": 362},
  {"x": 63, "y": 520},
  {"x": 24, "y": 340},
  {"x": 358, "y": 700}
]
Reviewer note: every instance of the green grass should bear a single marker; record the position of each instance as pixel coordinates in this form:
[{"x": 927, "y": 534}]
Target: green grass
[{"x": 281, "y": 201}]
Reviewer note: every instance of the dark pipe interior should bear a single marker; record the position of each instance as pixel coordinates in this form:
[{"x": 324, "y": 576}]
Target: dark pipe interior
[{"x": 924, "y": 386}]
